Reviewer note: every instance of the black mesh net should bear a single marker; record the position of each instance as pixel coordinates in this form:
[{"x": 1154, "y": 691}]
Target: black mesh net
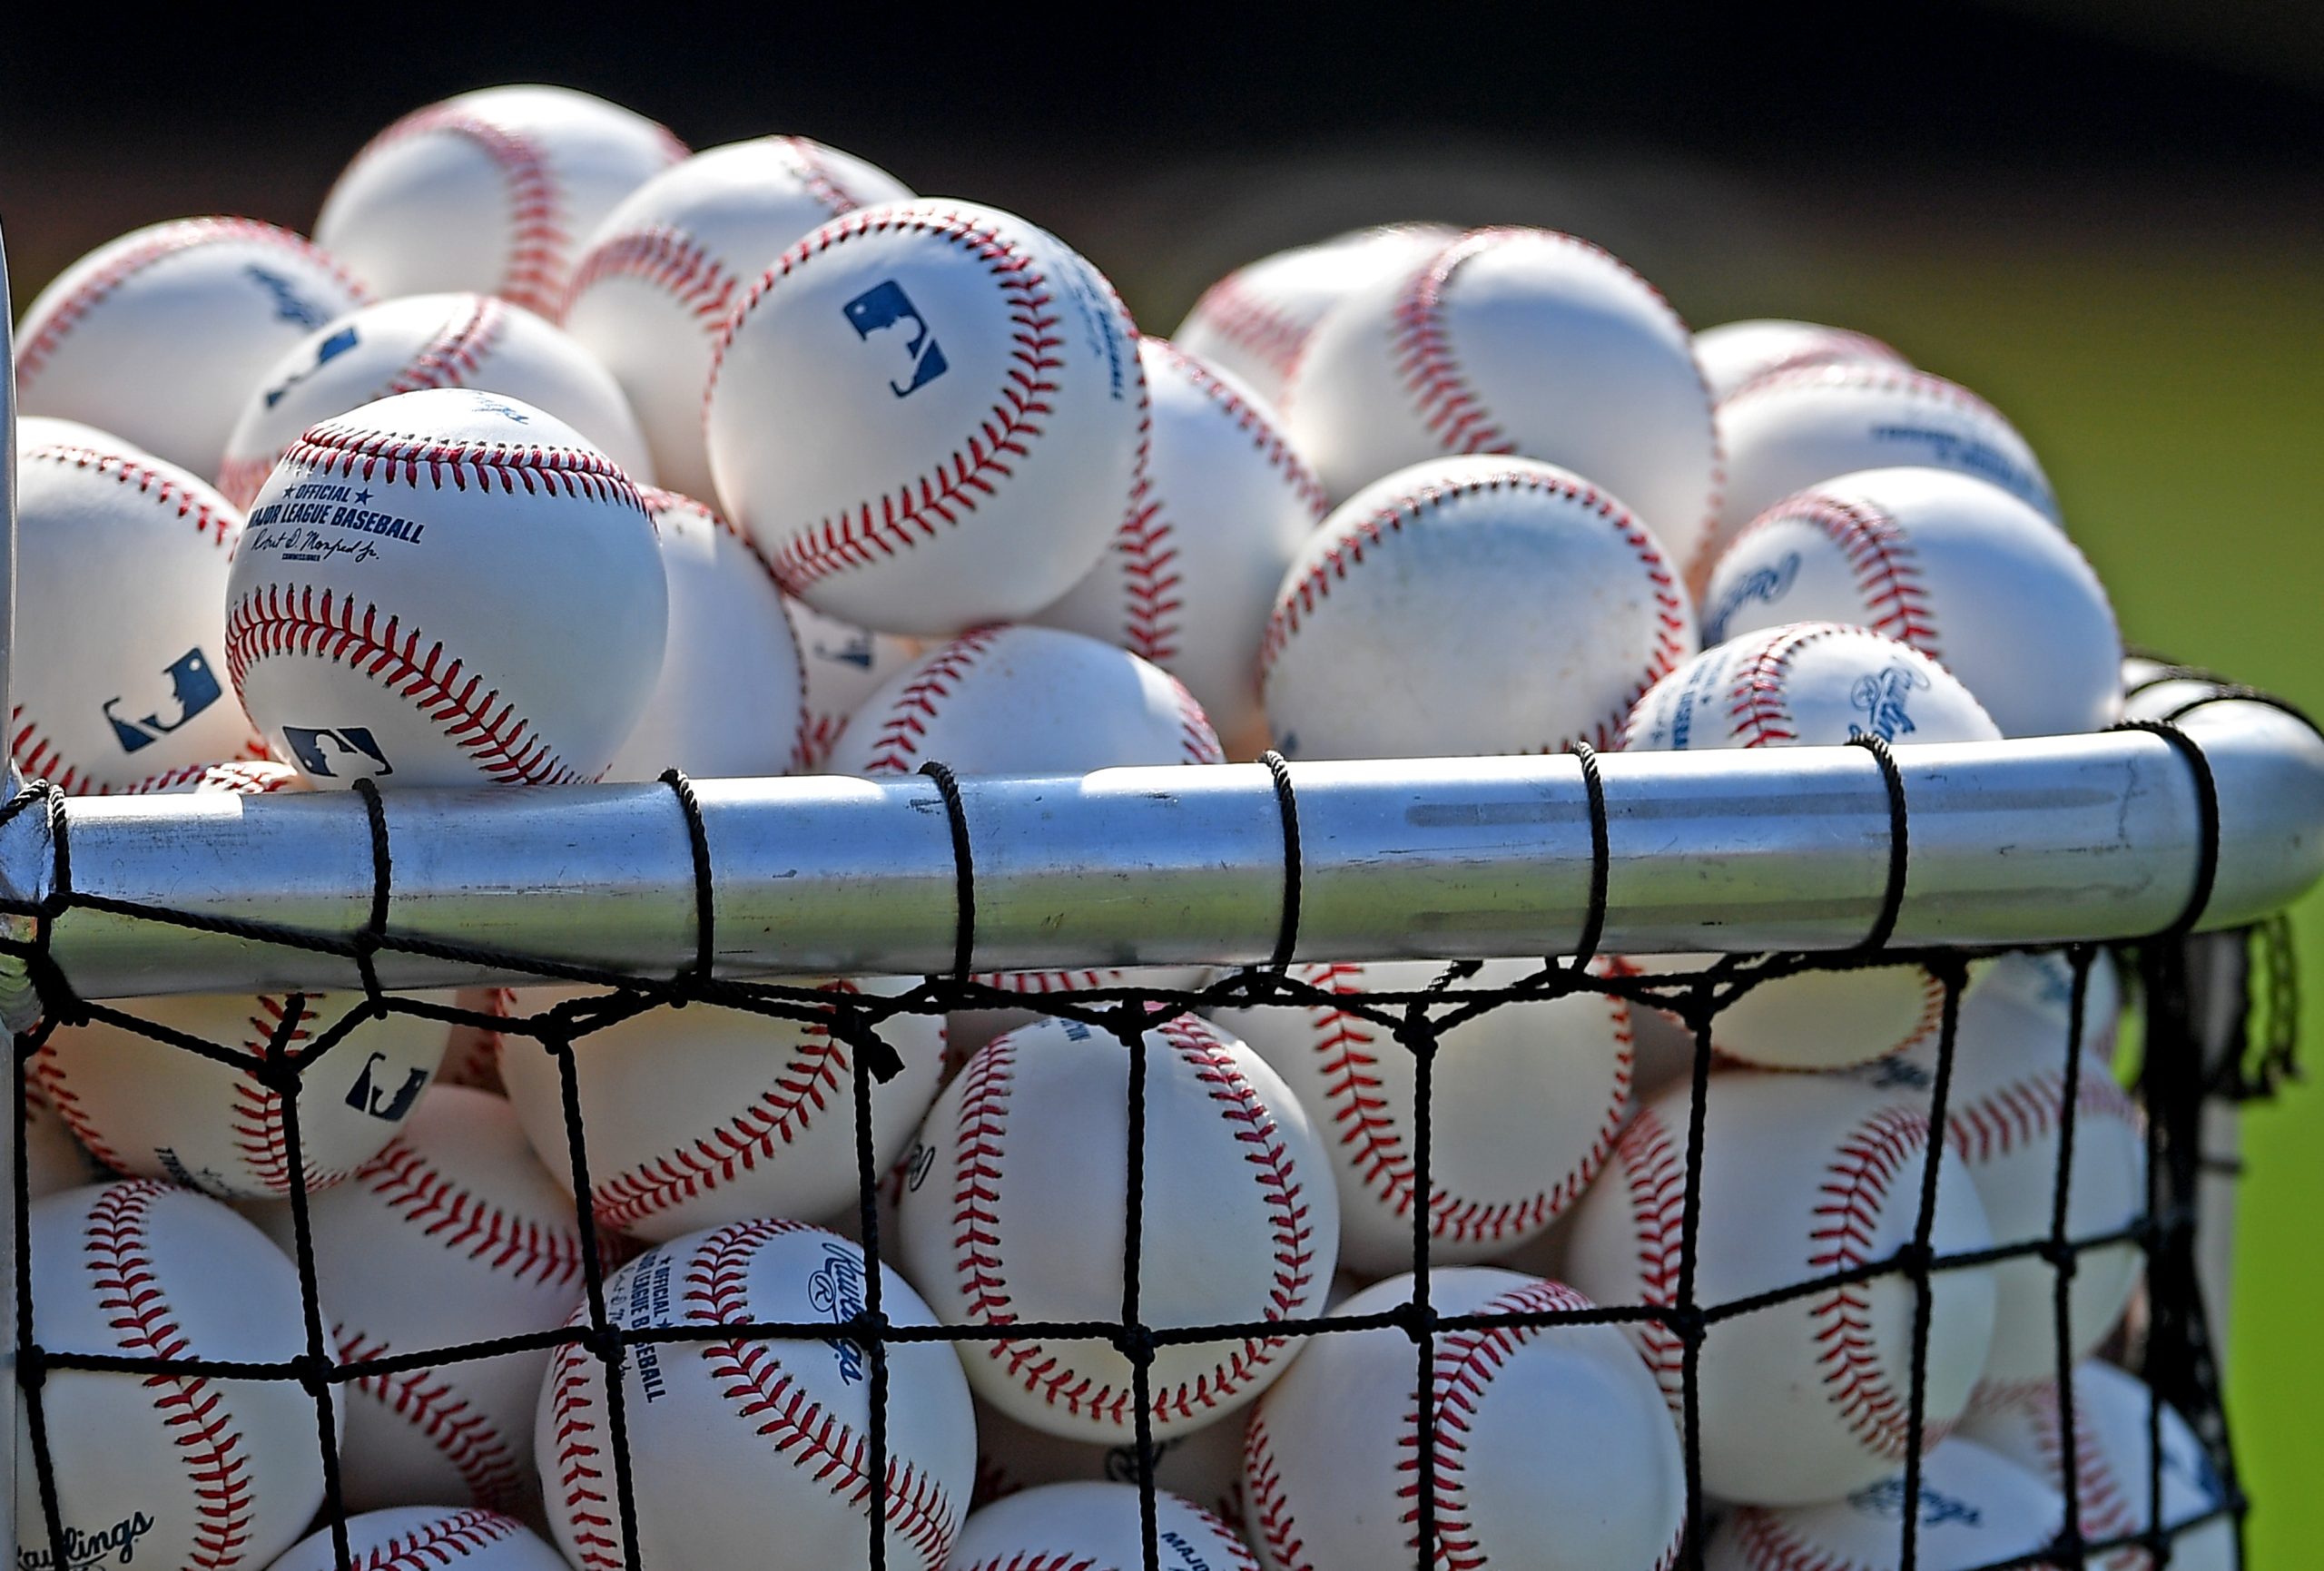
[{"x": 2201, "y": 1042}]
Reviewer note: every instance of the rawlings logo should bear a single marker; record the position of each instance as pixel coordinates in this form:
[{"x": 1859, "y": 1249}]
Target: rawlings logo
[
  {"x": 1765, "y": 584},
  {"x": 288, "y": 306},
  {"x": 1881, "y": 696},
  {"x": 350, "y": 752},
  {"x": 884, "y": 307},
  {"x": 193, "y": 687},
  {"x": 836, "y": 1288},
  {"x": 113, "y": 1545},
  {"x": 1886, "y": 1501}
]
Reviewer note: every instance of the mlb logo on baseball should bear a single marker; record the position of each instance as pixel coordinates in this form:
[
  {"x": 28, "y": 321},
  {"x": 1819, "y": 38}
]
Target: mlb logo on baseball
[{"x": 884, "y": 307}]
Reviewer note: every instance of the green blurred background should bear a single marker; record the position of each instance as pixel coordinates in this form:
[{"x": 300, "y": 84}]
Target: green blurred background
[{"x": 2103, "y": 218}]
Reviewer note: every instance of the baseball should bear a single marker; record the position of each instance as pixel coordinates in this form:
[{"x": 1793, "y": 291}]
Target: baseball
[
  {"x": 54, "y": 1160},
  {"x": 446, "y": 588},
  {"x": 2004, "y": 1117},
  {"x": 661, "y": 274},
  {"x": 1803, "y": 1176},
  {"x": 845, "y": 665},
  {"x": 1961, "y": 571},
  {"x": 1811, "y": 684},
  {"x": 1553, "y": 1449},
  {"x": 1975, "y": 1509},
  {"x": 1254, "y": 322},
  {"x": 1526, "y": 1101},
  {"x": 1413, "y": 624},
  {"x": 730, "y": 700},
  {"x": 113, "y": 538},
  {"x": 712, "y": 1114},
  {"x": 1791, "y": 430},
  {"x": 401, "y": 345},
  {"x": 2114, "y": 1466},
  {"x": 1222, "y": 508},
  {"x": 1203, "y": 1467},
  {"x": 1514, "y": 340},
  {"x": 1094, "y": 1528},
  {"x": 472, "y": 1056},
  {"x": 166, "y": 1469},
  {"x": 158, "y": 335},
  {"x": 146, "y": 1106},
  {"x": 493, "y": 191},
  {"x": 252, "y": 776},
  {"x": 754, "y": 1451},
  {"x": 454, "y": 1234},
  {"x": 410, "y": 1537},
  {"x": 1012, "y": 1211},
  {"x": 930, "y": 416},
  {"x": 1735, "y": 353}
]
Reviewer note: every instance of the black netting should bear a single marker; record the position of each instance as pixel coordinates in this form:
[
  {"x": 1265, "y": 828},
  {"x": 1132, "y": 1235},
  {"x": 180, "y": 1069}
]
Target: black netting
[{"x": 2181, "y": 984}]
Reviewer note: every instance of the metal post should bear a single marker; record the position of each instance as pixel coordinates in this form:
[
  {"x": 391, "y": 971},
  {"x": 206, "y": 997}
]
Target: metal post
[{"x": 9, "y": 785}]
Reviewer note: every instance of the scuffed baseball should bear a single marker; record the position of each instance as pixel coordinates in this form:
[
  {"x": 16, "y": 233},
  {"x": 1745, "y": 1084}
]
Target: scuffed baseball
[
  {"x": 708, "y": 1114},
  {"x": 401, "y": 345},
  {"x": 109, "y": 537},
  {"x": 1254, "y": 322},
  {"x": 1470, "y": 606},
  {"x": 1191, "y": 574},
  {"x": 1804, "y": 1400},
  {"x": 167, "y": 1469},
  {"x": 1554, "y": 1450},
  {"x": 754, "y": 1451},
  {"x": 158, "y": 335},
  {"x": 1791, "y": 430},
  {"x": 1514, "y": 340},
  {"x": 446, "y": 588},
  {"x": 1526, "y": 1101},
  {"x": 1959, "y": 569},
  {"x": 1012, "y": 1212},
  {"x": 1974, "y": 1510},
  {"x": 1734, "y": 353},
  {"x": 661, "y": 274},
  {"x": 845, "y": 665},
  {"x": 930, "y": 416},
  {"x": 147, "y": 1106},
  {"x": 454, "y": 1234},
  {"x": 731, "y": 701},
  {"x": 440, "y": 1538},
  {"x": 493, "y": 191},
  {"x": 1094, "y": 1526}
]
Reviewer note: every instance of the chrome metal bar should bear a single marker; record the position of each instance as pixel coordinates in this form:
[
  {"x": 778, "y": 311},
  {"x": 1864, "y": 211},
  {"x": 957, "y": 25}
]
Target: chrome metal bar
[{"x": 9, "y": 1133}]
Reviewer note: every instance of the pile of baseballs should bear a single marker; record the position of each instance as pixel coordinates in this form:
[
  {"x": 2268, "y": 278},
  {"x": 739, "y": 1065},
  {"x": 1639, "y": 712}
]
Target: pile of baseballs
[{"x": 561, "y": 454}]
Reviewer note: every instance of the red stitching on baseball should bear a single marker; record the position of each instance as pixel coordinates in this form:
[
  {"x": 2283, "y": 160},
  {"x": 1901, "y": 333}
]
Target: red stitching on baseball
[
  {"x": 899, "y": 518},
  {"x": 2030, "y": 1109},
  {"x": 1343, "y": 1042},
  {"x": 1454, "y": 412},
  {"x": 130, "y": 1295},
  {"x": 2106, "y": 1512},
  {"x": 1251, "y": 323},
  {"x": 1847, "y": 1215},
  {"x": 666, "y": 258},
  {"x": 588, "y": 1500},
  {"x": 50, "y": 1073},
  {"x": 1673, "y": 618},
  {"x": 827, "y": 1450},
  {"x": 1270, "y": 1508},
  {"x": 895, "y": 749},
  {"x": 1265, "y": 435},
  {"x": 1768, "y": 1543},
  {"x": 439, "y": 1543},
  {"x": 257, "y": 1110},
  {"x": 489, "y": 1467},
  {"x": 430, "y": 1200},
  {"x": 1654, "y": 1173},
  {"x": 167, "y": 240},
  {"x": 334, "y": 448},
  {"x": 1879, "y": 553},
  {"x": 537, "y": 235},
  {"x": 290, "y": 620},
  {"x": 163, "y": 490}
]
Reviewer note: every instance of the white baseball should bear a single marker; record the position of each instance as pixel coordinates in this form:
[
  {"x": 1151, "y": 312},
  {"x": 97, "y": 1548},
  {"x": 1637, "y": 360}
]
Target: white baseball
[
  {"x": 493, "y": 191},
  {"x": 188, "y": 1470},
  {"x": 251, "y": 777},
  {"x": 472, "y": 1058},
  {"x": 661, "y": 274},
  {"x": 1791, "y": 430},
  {"x": 1553, "y": 1449},
  {"x": 47, "y": 430},
  {"x": 401, "y": 345},
  {"x": 446, "y": 588},
  {"x": 2004, "y": 1116},
  {"x": 1224, "y": 506},
  {"x": 1514, "y": 340},
  {"x": 1734, "y": 353},
  {"x": 707, "y": 1115},
  {"x": 731, "y": 701},
  {"x": 1526, "y": 1101},
  {"x": 1975, "y": 1509},
  {"x": 54, "y": 1160},
  {"x": 158, "y": 335},
  {"x": 1088, "y": 1527},
  {"x": 454, "y": 1234},
  {"x": 748, "y": 1450},
  {"x": 1811, "y": 684},
  {"x": 845, "y": 665},
  {"x": 1470, "y": 606},
  {"x": 1961, "y": 571},
  {"x": 433, "y": 1537},
  {"x": 1203, "y": 1467},
  {"x": 930, "y": 416},
  {"x": 2112, "y": 1461},
  {"x": 114, "y": 539},
  {"x": 1256, "y": 321},
  {"x": 1013, "y": 1204},
  {"x": 1803, "y": 1177},
  {"x": 151, "y": 1107}
]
